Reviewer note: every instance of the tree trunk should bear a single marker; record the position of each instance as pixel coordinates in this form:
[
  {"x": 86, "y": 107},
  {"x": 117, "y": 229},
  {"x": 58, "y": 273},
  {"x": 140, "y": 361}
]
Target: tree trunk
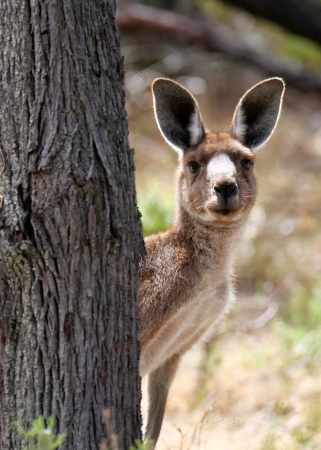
[{"x": 70, "y": 234}]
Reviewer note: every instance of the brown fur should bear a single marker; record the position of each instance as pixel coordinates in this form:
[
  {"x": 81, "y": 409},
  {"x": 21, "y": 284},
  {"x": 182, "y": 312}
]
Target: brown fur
[{"x": 186, "y": 281}]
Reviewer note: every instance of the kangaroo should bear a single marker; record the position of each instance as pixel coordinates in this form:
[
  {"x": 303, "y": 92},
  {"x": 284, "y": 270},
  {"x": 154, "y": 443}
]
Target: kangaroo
[{"x": 186, "y": 281}]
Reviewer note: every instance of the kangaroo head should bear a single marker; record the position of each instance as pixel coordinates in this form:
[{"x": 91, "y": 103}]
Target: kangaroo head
[{"x": 215, "y": 176}]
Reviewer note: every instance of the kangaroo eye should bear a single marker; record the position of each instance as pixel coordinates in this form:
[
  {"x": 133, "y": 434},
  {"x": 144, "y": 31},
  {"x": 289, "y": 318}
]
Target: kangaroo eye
[
  {"x": 193, "y": 166},
  {"x": 247, "y": 163}
]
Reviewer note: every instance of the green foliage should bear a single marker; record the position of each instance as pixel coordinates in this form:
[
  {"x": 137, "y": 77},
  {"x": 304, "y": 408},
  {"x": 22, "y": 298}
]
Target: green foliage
[
  {"x": 284, "y": 43},
  {"x": 113, "y": 444},
  {"x": 40, "y": 436},
  {"x": 220, "y": 10},
  {"x": 156, "y": 210},
  {"x": 299, "y": 49},
  {"x": 139, "y": 445}
]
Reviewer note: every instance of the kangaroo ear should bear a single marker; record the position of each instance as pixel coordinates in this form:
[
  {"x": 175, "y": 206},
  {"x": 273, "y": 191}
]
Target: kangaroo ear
[
  {"x": 177, "y": 114},
  {"x": 258, "y": 112}
]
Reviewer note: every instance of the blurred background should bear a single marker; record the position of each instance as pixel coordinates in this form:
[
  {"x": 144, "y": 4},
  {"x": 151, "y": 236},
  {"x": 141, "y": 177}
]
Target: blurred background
[{"x": 257, "y": 383}]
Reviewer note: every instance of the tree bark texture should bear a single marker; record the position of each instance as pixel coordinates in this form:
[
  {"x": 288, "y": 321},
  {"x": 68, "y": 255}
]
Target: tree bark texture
[{"x": 70, "y": 234}]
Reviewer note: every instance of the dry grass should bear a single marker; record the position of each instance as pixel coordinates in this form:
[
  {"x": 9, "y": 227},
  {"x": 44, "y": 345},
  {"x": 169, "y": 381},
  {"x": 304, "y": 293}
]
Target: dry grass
[{"x": 248, "y": 390}]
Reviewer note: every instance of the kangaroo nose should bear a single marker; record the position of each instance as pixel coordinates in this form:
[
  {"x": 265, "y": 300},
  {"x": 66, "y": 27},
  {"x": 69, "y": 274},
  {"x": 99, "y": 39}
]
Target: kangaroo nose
[{"x": 226, "y": 189}]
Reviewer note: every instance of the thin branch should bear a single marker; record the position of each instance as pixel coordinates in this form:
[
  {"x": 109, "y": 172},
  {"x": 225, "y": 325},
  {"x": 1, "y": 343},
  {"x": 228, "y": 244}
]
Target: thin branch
[{"x": 214, "y": 38}]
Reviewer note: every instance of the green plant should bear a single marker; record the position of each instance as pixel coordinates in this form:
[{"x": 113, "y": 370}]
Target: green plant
[
  {"x": 156, "y": 210},
  {"x": 40, "y": 436},
  {"x": 113, "y": 444},
  {"x": 139, "y": 445}
]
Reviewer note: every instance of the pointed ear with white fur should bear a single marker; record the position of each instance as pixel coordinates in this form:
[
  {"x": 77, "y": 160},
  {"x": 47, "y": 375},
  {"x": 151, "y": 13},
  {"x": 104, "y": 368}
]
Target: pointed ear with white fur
[
  {"x": 177, "y": 114},
  {"x": 257, "y": 113}
]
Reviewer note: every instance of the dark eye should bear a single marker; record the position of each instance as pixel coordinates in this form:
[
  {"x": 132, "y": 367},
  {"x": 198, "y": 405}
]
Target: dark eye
[
  {"x": 193, "y": 166},
  {"x": 247, "y": 163}
]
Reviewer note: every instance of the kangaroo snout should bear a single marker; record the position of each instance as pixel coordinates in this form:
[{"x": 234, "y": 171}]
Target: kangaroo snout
[
  {"x": 225, "y": 190},
  {"x": 223, "y": 179}
]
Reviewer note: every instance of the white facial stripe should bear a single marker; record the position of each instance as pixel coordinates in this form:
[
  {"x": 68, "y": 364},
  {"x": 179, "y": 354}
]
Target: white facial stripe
[{"x": 221, "y": 164}]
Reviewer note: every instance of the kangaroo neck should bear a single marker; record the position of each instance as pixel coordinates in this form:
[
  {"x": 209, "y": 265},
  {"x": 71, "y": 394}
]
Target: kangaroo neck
[{"x": 213, "y": 238}]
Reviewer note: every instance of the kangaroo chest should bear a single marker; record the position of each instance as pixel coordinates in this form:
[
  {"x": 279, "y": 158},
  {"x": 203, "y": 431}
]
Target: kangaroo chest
[{"x": 180, "y": 330}]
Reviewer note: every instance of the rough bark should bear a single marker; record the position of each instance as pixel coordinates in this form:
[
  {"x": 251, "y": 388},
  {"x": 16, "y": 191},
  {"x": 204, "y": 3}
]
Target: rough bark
[{"x": 69, "y": 228}]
